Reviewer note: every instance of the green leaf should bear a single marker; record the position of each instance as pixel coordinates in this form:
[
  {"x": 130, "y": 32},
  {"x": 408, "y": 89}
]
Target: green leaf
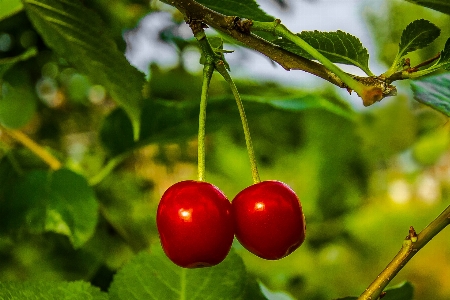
[
  {"x": 444, "y": 60},
  {"x": 58, "y": 201},
  {"x": 417, "y": 35},
  {"x": 79, "y": 36},
  {"x": 167, "y": 121},
  {"x": 339, "y": 47},
  {"x": 439, "y": 5},
  {"x": 9, "y": 8},
  {"x": 18, "y": 100},
  {"x": 153, "y": 276},
  {"x": 402, "y": 291},
  {"x": 161, "y": 121},
  {"x": 253, "y": 290},
  {"x": 77, "y": 290},
  {"x": 434, "y": 91},
  {"x": 7, "y": 63},
  {"x": 242, "y": 8}
]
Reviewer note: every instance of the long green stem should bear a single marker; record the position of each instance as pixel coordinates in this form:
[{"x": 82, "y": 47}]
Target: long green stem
[
  {"x": 280, "y": 30},
  {"x": 248, "y": 140},
  {"x": 212, "y": 57},
  {"x": 207, "y": 74},
  {"x": 37, "y": 149},
  {"x": 408, "y": 250}
]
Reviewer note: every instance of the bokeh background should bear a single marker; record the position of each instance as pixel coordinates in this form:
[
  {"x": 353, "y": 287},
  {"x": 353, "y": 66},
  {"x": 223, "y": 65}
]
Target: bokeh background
[{"x": 362, "y": 180}]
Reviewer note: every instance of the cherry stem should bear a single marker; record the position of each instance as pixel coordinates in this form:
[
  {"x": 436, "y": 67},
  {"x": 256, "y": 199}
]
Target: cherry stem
[
  {"x": 208, "y": 70},
  {"x": 411, "y": 245},
  {"x": 212, "y": 58},
  {"x": 220, "y": 67},
  {"x": 37, "y": 149}
]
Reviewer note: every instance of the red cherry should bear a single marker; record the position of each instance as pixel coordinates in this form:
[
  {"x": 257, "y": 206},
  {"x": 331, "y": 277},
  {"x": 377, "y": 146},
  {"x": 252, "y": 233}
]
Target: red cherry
[
  {"x": 268, "y": 219},
  {"x": 195, "y": 224}
]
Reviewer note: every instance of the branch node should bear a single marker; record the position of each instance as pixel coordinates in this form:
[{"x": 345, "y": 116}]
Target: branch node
[
  {"x": 412, "y": 234},
  {"x": 243, "y": 25},
  {"x": 379, "y": 89}
]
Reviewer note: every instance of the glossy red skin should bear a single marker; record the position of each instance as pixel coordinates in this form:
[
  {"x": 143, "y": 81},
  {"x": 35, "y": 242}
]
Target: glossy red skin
[
  {"x": 269, "y": 220},
  {"x": 195, "y": 224}
]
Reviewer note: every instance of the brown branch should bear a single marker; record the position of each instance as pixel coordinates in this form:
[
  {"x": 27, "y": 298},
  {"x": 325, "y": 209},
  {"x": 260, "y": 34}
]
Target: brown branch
[{"x": 227, "y": 25}]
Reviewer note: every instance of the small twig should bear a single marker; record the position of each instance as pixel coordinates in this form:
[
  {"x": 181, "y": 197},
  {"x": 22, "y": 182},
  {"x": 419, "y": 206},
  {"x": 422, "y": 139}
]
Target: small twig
[
  {"x": 424, "y": 63},
  {"x": 37, "y": 149},
  {"x": 413, "y": 72},
  {"x": 411, "y": 245}
]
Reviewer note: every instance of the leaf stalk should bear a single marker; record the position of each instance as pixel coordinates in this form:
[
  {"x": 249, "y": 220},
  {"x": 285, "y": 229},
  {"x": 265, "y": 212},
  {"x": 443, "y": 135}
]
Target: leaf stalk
[{"x": 369, "y": 94}]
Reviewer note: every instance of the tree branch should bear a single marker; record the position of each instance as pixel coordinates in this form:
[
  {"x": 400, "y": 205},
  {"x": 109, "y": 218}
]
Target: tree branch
[
  {"x": 411, "y": 245},
  {"x": 193, "y": 10},
  {"x": 240, "y": 30}
]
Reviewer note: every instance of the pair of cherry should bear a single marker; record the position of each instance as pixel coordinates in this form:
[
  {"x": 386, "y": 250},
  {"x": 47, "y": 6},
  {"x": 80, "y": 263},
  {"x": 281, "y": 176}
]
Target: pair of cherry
[{"x": 197, "y": 223}]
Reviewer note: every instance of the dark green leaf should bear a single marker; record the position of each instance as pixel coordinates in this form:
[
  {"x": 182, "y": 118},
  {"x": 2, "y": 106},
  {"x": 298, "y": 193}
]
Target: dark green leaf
[
  {"x": 444, "y": 60},
  {"x": 18, "y": 100},
  {"x": 403, "y": 291},
  {"x": 164, "y": 121},
  {"x": 161, "y": 121},
  {"x": 252, "y": 290},
  {"x": 9, "y": 8},
  {"x": 417, "y": 35},
  {"x": 7, "y": 63},
  {"x": 78, "y": 35},
  {"x": 439, "y": 5},
  {"x": 339, "y": 47},
  {"x": 154, "y": 276},
  {"x": 59, "y": 201},
  {"x": 434, "y": 91},
  {"x": 248, "y": 9},
  {"x": 77, "y": 290}
]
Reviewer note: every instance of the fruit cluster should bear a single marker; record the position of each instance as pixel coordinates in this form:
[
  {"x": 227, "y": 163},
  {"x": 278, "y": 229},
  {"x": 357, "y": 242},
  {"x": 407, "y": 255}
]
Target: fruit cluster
[
  {"x": 197, "y": 223},
  {"x": 195, "y": 220}
]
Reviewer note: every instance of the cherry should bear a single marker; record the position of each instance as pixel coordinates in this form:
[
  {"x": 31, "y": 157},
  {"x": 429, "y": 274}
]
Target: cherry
[
  {"x": 269, "y": 220},
  {"x": 195, "y": 224}
]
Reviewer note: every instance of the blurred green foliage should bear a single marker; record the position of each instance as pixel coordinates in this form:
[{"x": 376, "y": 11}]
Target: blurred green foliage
[{"x": 363, "y": 177}]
